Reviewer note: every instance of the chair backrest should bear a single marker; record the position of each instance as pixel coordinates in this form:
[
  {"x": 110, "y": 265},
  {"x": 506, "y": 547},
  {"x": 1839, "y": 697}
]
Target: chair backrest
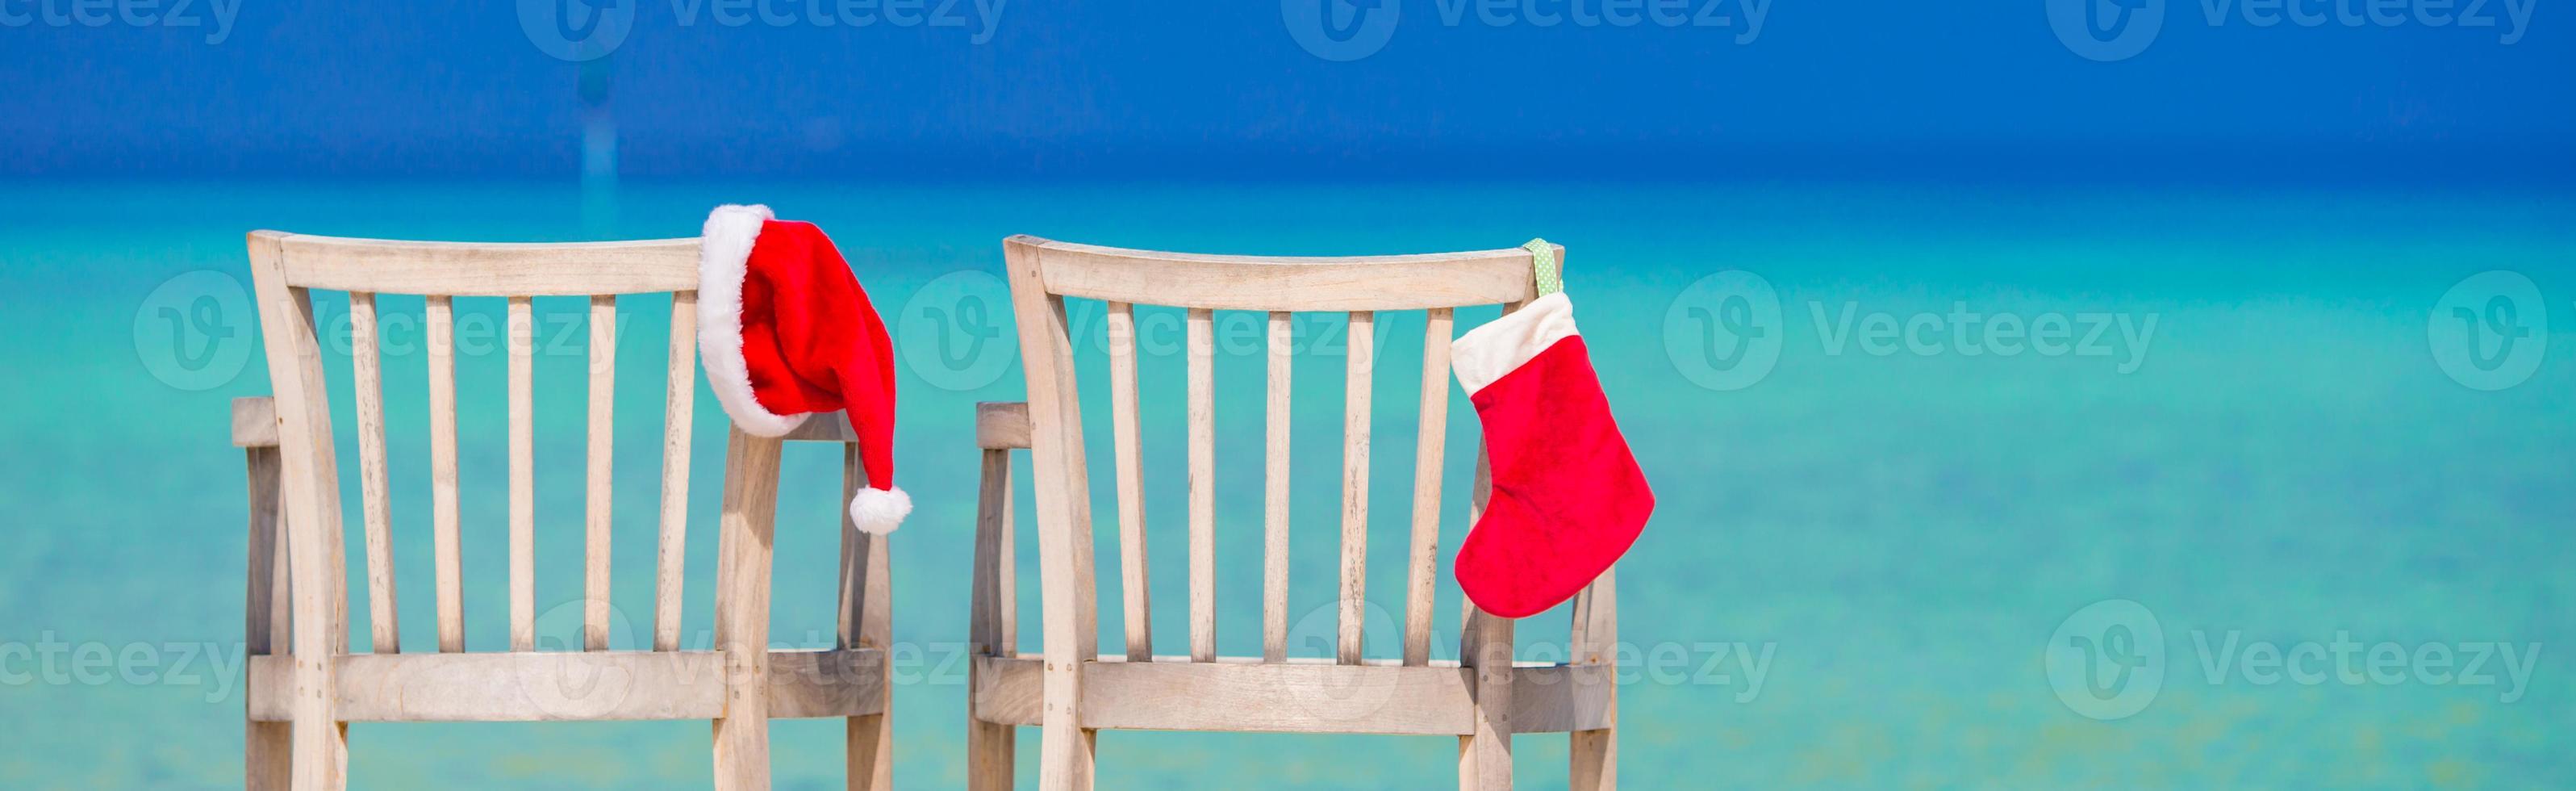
[
  {"x": 1043, "y": 273},
  {"x": 287, "y": 267}
]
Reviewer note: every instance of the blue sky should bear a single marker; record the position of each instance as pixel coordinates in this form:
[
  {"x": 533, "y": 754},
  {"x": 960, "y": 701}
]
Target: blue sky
[{"x": 2329, "y": 89}]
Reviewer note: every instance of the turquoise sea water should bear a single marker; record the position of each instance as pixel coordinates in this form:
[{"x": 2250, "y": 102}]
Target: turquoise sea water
[{"x": 1894, "y": 539}]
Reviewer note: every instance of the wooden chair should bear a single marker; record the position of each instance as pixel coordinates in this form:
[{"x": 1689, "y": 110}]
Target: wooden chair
[
  {"x": 304, "y": 691},
  {"x": 1071, "y": 691}
]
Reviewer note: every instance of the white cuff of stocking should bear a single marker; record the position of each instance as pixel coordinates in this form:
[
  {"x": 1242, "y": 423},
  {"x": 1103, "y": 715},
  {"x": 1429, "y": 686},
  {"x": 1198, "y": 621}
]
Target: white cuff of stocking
[{"x": 1503, "y": 345}]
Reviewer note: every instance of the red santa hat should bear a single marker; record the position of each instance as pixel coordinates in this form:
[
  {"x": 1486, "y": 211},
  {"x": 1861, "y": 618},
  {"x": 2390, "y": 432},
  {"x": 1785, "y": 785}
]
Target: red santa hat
[{"x": 787, "y": 332}]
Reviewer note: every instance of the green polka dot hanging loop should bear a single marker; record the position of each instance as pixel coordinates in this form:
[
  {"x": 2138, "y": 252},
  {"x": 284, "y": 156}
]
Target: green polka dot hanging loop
[{"x": 1543, "y": 260}]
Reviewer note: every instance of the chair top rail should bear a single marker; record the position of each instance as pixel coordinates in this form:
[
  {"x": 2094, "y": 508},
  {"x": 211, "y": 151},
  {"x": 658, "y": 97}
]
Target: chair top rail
[
  {"x": 476, "y": 269},
  {"x": 1283, "y": 283}
]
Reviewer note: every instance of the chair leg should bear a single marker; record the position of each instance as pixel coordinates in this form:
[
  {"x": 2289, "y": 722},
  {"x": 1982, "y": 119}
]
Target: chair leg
[
  {"x": 330, "y": 742},
  {"x": 1594, "y": 753},
  {"x": 267, "y": 747},
  {"x": 1067, "y": 758},
  {"x": 1485, "y": 757},
  {"x": 319, "y": 753},
  {"x": 871, "y": 753},
  {"x": 991, "y": 749},
  {"x": 990, "y": 752},
  {"x": 267, "y": 757},
  {"x": 742, "y": 611},
  {"x": 1595, "y": 760}
]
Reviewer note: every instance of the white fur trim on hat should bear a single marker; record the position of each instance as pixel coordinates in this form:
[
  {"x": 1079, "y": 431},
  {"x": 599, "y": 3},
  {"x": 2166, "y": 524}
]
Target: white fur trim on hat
[
  {"x": 879, "y": 510},
  {"x": 1503, "y": 345},
  {"x": 724, "y": 256}
]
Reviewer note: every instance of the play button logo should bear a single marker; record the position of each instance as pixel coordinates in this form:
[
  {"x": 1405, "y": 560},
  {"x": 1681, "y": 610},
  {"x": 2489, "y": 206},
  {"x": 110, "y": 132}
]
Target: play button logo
[
  {"x": 1340, "y": 30},
  {"x": 2106, "y": 30},
  {"x": 577, "y": 30}
]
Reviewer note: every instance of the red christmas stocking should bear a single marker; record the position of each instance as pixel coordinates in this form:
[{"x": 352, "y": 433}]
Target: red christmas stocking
[{"x": 1567, "y": 496}]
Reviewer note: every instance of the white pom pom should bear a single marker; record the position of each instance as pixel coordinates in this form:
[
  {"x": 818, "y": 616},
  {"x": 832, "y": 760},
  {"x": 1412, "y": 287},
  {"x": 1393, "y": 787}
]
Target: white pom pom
[{"x": 880, "y": 510}]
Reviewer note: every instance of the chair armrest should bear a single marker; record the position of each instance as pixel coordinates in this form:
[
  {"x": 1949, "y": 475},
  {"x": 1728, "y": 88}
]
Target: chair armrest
[
  {"x": 1001, "y": 425},
  {"x": 254, "y": 422},
  {"x": 994, "y": 604}
]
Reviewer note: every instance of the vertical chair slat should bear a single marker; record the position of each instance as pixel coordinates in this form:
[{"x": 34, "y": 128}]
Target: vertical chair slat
[
  {"x": 598, "y": 473},
  {"x": 1479, "y": 489},
  {"x": 367, "y": 373},
  {"x": 1066, "y": 750},
  {"x": 1077, "y": 479},
  {"x": 1593, "y": 755},
  {"x": 1132, "y": 573},
  {"x": 679, "y": 404},
  {"x": 1202, "y": 416},
  {"x": 445, "y": 551},
  {"x": 1429, "y": 452},
  {"x": 1274, "y": 494},
  {"x": 309, "y": 496},
  {"x": 523, "y": 501},
  {"x": 1485, "y": 646},
  {"x": 866, "y": 620},
  {"x": 1355, "y": 471},
  {"x": 852, "y": 603},
  {"x": 1489, "y": 745}
]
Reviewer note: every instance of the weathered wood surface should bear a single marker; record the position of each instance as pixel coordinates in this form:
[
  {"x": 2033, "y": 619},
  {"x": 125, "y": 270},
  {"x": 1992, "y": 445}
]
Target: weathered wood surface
[
  {"x": 299, "y": 701},
  {"x": 1301, "y": 695},
  {"x": 1070, "y": 691},
  {"x": 564, "y": 686}
]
